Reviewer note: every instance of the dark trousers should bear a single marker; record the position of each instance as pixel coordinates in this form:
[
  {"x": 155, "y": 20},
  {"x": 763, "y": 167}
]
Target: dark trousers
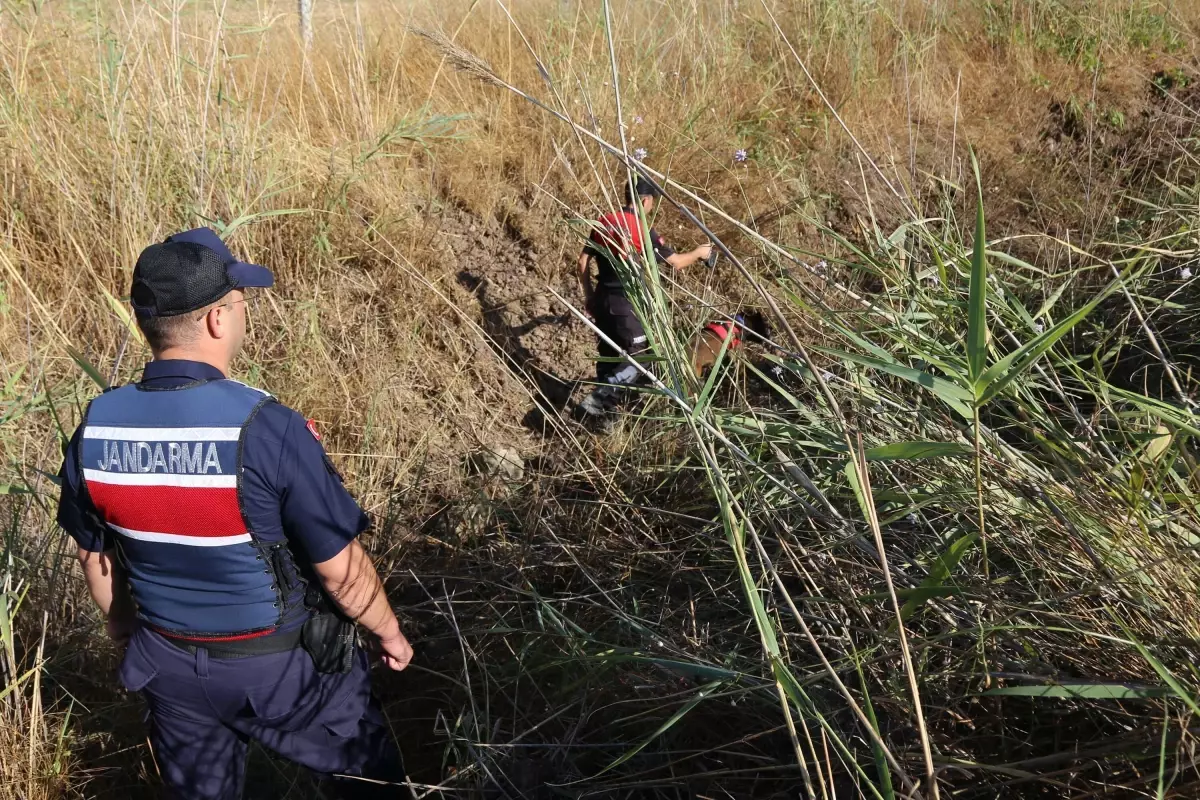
[
  {"x": 204, "y": 711},
  {"x": 615, "y": 317}
]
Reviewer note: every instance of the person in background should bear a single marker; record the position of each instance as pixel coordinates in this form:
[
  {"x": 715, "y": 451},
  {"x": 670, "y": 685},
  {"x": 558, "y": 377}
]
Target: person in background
[
  {"x": 220, "y": 545},
  {"x": 617, "y": 237}
]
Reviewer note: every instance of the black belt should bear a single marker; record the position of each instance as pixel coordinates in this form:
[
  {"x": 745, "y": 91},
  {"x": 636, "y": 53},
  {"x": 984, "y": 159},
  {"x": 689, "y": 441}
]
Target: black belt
[{"x": 242, "y": 648}]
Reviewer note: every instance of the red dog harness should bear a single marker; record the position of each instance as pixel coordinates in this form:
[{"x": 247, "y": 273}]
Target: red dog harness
[{"x": 723, "y": 332}]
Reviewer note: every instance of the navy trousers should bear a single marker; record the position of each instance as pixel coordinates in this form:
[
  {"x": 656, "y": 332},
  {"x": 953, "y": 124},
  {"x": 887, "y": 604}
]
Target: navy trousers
[{"x": 204, "y": 711}]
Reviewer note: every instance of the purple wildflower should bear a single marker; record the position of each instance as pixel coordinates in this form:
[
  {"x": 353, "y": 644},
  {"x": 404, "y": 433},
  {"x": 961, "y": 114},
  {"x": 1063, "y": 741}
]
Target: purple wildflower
[
  {"x": 640, "y": 154},
  {"x": 637, "y": 120},
  {"x": 1185, "y": 273},
  {"x": 740, "y": 156}
]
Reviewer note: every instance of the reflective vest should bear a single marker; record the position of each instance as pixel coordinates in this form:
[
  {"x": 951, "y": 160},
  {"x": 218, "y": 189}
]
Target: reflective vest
[
  {"x": 616, "y": 235},
  {"x": 163, "y": 469},
  {"x": 619, "y": 232}
]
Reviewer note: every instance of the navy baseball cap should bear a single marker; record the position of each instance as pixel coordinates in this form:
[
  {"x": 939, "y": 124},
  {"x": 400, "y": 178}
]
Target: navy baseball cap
[{"x": 189, "y": 271}]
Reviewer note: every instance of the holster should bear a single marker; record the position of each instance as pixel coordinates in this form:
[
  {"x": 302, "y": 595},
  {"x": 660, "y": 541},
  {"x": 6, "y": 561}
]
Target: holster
[{"x": 328, "y": 636}]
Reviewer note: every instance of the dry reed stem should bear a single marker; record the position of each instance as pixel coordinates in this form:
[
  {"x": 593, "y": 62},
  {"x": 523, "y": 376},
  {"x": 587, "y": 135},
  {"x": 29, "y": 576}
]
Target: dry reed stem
[{"x": 905, "y": 653}]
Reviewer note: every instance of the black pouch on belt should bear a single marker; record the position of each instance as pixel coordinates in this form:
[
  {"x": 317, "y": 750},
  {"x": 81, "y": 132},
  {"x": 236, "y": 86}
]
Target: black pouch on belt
[{"x": 327, "y": 635}]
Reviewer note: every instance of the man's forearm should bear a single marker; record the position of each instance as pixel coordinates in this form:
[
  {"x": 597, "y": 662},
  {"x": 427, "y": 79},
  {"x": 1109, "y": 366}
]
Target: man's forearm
[
  {"x": 683, "y": 260},
  {"x": 109, "y": 589},
  {"x": 105, "y": 581},
  {"x": 369, "y": 606},
  {"x": 352, "y": 581},
  {"x": 581, "y": 273}
]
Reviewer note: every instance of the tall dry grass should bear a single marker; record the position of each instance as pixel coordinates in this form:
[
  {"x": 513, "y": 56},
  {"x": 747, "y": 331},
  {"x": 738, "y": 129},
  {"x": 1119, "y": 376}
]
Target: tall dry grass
[{"x": 708, "y": 601}]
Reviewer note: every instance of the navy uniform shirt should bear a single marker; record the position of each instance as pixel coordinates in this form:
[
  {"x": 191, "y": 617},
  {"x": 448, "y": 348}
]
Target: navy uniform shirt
[{"x": 290, "y": 489}]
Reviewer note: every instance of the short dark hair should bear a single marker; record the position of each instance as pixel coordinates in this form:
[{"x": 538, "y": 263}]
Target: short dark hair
[
  {"x": 164, "y": 332},
  {"x": 643, "y": 188}
]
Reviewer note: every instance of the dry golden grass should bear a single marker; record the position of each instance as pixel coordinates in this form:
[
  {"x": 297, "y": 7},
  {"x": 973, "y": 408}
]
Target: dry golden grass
[{"x": 417, "y": 218}]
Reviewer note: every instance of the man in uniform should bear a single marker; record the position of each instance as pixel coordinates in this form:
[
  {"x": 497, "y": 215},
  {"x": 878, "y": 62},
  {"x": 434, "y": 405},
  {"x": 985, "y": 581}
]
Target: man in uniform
[
  {"x": 618, "y": 237},
  {"x": 219, "y": 543}
]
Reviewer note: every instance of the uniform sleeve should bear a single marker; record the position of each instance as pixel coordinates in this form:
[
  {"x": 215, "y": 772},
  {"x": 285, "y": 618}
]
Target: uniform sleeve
[
  {"x": 662, "y": 250},
  {"x": 76, "y": 514},
  {"x": 315, "y": 508}
]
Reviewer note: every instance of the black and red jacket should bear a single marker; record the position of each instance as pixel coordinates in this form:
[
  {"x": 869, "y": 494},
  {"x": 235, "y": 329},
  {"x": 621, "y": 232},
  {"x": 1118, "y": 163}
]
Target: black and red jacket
[{"x": 618, "y": 235}]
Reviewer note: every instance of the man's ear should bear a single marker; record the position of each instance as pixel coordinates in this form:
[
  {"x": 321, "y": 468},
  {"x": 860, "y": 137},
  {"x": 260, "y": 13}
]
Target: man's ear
[{"x": 215, "y": 323}]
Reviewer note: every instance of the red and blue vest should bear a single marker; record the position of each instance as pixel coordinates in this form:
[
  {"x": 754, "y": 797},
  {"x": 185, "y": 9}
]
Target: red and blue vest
[{"x": 163, "y": 469}]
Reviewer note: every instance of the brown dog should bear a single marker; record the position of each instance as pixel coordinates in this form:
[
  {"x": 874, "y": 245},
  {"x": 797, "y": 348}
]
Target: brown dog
[{"x": 707, "y": 344}]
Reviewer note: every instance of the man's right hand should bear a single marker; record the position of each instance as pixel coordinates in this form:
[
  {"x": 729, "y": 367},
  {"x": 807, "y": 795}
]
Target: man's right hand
[{"x": 397, "y": 652}]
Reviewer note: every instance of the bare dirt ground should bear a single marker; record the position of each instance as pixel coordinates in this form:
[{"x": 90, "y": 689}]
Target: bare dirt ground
[{"x": 508, "y": 267}]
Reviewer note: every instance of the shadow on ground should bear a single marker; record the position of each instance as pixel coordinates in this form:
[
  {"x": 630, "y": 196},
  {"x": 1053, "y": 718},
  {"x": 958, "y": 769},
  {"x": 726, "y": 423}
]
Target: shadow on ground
[{"x": 552, "y": 393}]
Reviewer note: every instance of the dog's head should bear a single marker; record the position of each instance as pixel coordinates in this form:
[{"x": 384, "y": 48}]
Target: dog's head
[{"x": 755, "y": 322}]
